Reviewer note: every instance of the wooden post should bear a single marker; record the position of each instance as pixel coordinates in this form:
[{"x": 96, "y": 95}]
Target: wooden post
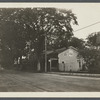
[
  {"x": 45, "y": 53},
  {"x": 50, "y": 64}
]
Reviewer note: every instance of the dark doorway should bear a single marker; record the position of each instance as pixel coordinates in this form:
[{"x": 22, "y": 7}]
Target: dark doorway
[{"x": 54, "y": 65}]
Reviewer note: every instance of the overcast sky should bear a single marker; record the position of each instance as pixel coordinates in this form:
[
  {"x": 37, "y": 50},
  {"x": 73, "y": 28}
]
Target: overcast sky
[{"x": 87, "y": 14}]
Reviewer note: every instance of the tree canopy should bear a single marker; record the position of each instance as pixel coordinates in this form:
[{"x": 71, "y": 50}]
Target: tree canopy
[
  {"x": 77, "y": 43},
  {"x": 94, "y": 39},
  {"x": 19, "y": 25},
  {"x": 91, "y": 52}
]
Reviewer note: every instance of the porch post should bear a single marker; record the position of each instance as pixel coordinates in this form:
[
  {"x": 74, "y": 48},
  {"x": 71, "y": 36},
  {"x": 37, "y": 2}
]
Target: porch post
[{"x": 50, "y": 64}]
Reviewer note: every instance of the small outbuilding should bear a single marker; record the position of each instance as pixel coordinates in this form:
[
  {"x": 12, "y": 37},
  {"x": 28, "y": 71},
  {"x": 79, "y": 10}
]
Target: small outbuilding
[
  {"x": 65, "y": 60},
  {"x": 69, "y": 61}
]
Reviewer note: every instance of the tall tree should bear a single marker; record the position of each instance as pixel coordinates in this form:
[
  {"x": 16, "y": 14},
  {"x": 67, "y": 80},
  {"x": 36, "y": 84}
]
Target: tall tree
[
  {"x": 77, "y": 43},
  {"x": 91, "y": 53},
  {"x": 91, "y": 58},
  {"x": 22, "y": 25},
  {"x": 93, "y": 40}
]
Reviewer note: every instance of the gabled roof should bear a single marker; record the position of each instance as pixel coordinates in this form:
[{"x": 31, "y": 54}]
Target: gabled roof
[
  {"x": 60, "y": 50},
  {"x": 63, "y": 49},
  {"x": 71, "y": 47}
]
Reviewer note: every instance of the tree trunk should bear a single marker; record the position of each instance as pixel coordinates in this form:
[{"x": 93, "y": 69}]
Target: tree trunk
[
  {"x": 20, "y": 64},
  {"x": 38, "y": 66}
]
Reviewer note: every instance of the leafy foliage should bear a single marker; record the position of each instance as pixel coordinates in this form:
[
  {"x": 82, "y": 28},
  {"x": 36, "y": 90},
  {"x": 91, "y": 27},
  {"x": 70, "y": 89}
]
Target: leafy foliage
[
  {"x": 77, "y": 43},
  {"x": 93, "y": 39},
  {"x": 91, "y": 53},
  {"x": 17, "y": 26},
  {"x": 92, "y": 58}
]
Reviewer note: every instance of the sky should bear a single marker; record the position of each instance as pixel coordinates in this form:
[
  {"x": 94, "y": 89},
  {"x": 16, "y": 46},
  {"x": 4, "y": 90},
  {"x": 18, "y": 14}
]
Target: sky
[{"x": 87, "y": 14}]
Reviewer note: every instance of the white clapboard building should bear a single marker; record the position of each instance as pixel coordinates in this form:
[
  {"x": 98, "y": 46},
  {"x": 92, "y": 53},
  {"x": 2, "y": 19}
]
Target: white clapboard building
[{"x": 67, "y": 60}]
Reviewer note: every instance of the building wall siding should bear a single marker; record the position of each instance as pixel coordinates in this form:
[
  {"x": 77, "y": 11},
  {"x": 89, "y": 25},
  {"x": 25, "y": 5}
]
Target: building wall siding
[{"x": 68, "y": 60}]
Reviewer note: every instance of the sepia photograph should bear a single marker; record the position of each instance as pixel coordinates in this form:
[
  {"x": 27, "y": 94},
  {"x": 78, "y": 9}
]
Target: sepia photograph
[{"x": 49, "y": 47}]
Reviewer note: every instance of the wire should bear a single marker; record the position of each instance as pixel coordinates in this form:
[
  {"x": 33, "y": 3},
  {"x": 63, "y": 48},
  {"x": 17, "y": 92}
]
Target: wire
[{"x": 87, "y": 26}]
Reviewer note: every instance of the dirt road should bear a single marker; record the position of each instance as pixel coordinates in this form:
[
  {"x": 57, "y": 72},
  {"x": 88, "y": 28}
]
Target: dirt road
[{"x": 43, "y": 82}]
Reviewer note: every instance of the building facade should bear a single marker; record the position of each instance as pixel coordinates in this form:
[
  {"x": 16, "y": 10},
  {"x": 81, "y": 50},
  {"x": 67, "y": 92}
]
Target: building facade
[{"x": 69, "y": 61}]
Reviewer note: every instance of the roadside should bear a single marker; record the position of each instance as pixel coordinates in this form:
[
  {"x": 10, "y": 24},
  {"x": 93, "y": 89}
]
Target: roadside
[
  {"x": 57, "y": 73},
  {"x": 76, "y": 74}
]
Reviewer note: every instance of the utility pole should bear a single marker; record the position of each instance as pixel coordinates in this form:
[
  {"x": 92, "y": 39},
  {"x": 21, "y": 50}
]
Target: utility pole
[{"x": 45, "y": 52}]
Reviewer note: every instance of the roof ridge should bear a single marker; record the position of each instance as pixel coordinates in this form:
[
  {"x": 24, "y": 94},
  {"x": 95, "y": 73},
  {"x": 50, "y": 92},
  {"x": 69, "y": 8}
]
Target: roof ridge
[{"x": 73, "y": 48}]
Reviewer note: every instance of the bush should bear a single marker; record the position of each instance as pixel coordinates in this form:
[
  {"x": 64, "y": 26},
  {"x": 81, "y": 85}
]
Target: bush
[{"x": 92, "y": 59}]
